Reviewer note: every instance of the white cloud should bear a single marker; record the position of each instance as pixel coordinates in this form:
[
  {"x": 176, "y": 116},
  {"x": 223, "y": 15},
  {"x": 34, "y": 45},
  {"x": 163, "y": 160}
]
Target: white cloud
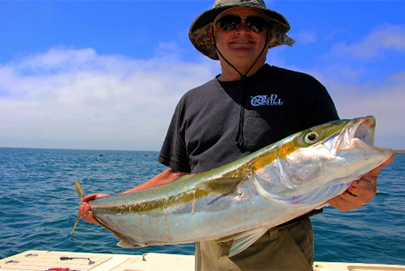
[
  {"x": 384, "y": 99},
  {"x": 383, "y": 37},
  {"x": 59, "y": 58},
  {"x": 364, "y": 79},
  {"x": 306, "y": 37},
  {"x": 76, "y": 98}
]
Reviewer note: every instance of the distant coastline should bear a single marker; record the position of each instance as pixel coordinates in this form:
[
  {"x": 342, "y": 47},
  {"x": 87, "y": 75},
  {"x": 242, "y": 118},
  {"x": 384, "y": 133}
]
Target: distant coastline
[{"x": 73, "y": 149}]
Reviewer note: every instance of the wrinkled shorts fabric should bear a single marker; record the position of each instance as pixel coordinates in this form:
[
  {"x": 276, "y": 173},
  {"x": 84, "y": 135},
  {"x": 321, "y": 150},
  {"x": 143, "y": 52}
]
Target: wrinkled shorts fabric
[{"x": 288, "y": 247}]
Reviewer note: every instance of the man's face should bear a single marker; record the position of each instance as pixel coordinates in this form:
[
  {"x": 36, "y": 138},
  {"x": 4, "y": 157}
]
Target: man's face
[{"x": 241, "y": 43}]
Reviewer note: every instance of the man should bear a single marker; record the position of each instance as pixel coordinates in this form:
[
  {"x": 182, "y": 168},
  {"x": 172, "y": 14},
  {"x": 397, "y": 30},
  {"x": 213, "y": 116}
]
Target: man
[{"x": 248, "y": 106}]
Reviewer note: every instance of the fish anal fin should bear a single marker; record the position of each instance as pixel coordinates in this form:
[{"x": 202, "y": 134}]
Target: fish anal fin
[
  {"x": 243, "y": 240},
  {"x": 223, "y": 185},
  {"x": 227, "y": 238}
]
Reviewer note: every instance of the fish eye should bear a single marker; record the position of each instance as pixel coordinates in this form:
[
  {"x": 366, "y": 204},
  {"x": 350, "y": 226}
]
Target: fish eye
[{"x": 311, "y": 137}]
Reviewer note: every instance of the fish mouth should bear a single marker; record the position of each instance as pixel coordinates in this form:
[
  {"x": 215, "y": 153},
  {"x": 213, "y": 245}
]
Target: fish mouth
[
  {"x": 362, "y": 129},
  {"x": 358, "y": 133}
]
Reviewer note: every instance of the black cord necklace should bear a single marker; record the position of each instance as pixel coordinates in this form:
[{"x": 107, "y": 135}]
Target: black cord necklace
[{"x": 239, "y": 135}]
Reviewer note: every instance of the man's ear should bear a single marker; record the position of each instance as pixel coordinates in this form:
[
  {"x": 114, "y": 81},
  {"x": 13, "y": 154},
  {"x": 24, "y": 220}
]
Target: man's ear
[{"x": 269, "y": 35}]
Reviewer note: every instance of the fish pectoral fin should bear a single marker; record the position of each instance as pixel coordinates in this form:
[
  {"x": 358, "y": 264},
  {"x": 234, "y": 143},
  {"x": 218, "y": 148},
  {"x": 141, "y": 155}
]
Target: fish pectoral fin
[
  {"x": 125, "y": 244},
  {"x": 219, "y": 185},
  {"x": 243, "y": 240},
  {"x": 125, "y": 241}
]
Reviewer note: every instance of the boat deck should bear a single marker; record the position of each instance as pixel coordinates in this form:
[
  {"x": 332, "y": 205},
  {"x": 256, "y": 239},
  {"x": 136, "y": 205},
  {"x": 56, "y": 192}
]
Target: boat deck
[{"x": 38, "y": 260}]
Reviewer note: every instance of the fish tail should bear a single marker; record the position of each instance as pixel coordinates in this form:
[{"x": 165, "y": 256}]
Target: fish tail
[
  {"x": 81, "y": 194},
  {"x": 79, "y": 189}
]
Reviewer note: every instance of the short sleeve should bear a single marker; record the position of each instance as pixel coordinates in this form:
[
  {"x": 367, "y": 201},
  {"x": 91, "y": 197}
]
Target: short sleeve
[{"x": 173, "y": 152}]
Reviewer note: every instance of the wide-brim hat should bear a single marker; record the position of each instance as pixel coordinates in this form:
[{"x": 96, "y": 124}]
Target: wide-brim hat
[{"x": 199, "y": 30}]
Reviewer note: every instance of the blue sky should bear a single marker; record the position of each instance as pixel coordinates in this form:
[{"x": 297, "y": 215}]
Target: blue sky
[{"x": 108, "y": 74}]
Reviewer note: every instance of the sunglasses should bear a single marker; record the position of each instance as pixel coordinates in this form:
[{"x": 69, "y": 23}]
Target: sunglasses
[{"x": 231, "y": 22}]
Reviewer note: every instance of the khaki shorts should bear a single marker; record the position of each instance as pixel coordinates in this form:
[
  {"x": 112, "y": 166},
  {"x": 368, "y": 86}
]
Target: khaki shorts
[{"x": 288, "y": 247}]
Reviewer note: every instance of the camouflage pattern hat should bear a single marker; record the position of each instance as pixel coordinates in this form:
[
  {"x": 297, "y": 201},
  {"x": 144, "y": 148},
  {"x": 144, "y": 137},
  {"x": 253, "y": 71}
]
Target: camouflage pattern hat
[{"x": 199, "y": 30}]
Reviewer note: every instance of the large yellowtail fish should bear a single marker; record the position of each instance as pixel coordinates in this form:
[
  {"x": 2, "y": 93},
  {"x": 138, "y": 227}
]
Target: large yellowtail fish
[{"x": 242, "y": 200}]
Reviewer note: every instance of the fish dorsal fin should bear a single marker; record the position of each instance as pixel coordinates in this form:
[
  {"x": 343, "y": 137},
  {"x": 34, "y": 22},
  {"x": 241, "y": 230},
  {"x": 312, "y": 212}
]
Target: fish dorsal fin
[
  {"x": 223, "y": 185},
  {"x": 243, "y": 240}
]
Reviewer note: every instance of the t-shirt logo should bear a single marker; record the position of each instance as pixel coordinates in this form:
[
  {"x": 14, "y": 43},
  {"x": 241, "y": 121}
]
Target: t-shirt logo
[{"x": 265, "y": 100}]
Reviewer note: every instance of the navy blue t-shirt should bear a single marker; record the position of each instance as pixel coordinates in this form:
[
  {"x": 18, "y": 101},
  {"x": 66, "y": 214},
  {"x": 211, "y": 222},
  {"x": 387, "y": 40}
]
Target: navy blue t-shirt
[{"x": 276, "y": 103}]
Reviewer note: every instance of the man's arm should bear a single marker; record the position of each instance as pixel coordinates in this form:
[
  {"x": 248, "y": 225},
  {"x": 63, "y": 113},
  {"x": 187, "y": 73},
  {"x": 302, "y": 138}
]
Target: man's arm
[
  {"x": 162, "y": 178},
  {"x": 361, "y": 191}
]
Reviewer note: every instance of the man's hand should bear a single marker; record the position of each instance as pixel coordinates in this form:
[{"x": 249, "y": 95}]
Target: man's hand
[
  {"x": 85, "y": 210},
  {"x": 361, "y": 191}
]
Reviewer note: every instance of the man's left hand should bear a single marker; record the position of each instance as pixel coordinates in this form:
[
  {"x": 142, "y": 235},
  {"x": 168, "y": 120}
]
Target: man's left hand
[{"x": 361, "y": 191}]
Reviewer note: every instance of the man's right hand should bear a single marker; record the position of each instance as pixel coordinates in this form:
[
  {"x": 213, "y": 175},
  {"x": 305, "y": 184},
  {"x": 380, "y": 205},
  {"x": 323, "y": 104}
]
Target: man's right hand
[{"x": 85, "y": 210}]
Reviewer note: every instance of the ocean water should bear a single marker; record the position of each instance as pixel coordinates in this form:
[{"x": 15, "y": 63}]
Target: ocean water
[{"x": 38, "y": 206}]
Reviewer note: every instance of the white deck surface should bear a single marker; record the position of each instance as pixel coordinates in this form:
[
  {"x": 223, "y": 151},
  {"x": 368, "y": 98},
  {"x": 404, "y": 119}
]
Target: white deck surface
[{"x": 35, "y": 260}]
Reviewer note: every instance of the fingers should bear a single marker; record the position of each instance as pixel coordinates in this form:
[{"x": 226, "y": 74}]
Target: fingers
[
  {"x": 89, "y": 197},
  {"x": 386, "y": 163},
  {"x": 348, "y": 200},
  {"x": 85, "y": 209},
  {"x": 86, "y": 214},
  {"x": 373, "y": 175},
  {"x": 361, "y": 191},
  {"x": 364, "y": 189},
  {"x": 357, "y": 195},
  {"x": 93, "y": 197}
]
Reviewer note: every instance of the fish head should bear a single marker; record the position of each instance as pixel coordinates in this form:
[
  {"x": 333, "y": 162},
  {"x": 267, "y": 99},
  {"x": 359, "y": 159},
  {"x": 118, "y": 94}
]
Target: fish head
[
  {"x": 321, "y": 162},
  {"x": 343, "y": 148}
]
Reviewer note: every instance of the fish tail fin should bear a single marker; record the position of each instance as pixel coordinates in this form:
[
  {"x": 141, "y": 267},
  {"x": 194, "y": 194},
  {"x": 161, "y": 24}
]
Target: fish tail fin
[
  {"x": 81, "y": 194},
  {"x": 79, "y": 189},
  {"x": 74, "y": 226}
]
